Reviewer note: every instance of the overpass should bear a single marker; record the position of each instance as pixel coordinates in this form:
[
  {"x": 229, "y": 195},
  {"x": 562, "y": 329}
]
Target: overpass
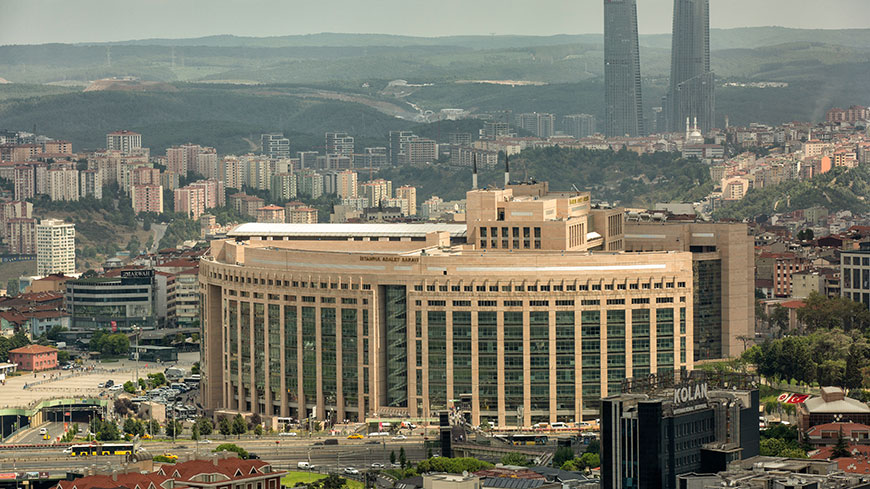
[
  {"x": 488, "y": 452},
  {"x": 67, "y": 409}
]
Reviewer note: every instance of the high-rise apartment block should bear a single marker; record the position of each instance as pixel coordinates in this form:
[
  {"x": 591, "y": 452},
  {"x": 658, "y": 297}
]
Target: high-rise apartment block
[
  {"x": 690, "y": 95},
  {"x": 147, "y": 198},
  {"x": 408, "y": 193},
  {"x": 284, "y": 186},
  {"x": 420, "y": 151},
  {"x": 578, "y": 125},
  {"x": 63, "y": 183},
  {"x": 622, "y": 87},
  {"x": 275, "y": 145},
  {"x": 12, "y": 210},
  {"x": 347, "y": 184},
  {"x": 541, "y": 125},
  {"x": 55, "y": 247},
  {"x": 398, "y": 142},
  {"x": 90, "y": 184},
  {"x": 21, "y": 235},
  {"x": 339, "y": 143},
  {"x": 124, "y": 141},
  {"x": 190, "y": 201},
  {"x": 24, "y": 182},
  {"x": 496, "y": 130}
]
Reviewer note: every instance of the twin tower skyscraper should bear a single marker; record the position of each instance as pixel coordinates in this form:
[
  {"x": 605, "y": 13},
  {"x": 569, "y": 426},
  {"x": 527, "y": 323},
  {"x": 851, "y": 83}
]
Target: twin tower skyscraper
[{"x": 690, "y": 91}]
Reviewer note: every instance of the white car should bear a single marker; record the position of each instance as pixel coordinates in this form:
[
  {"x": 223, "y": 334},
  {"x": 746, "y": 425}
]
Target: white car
[
  {"x": 351, "y": 471},
  {"x": 116, "y": 388},
  {"x": 400, "y": 437},
  {"x": 205, "y": 440},
  {"x": 377, "y": 466},
  {"x": 43, "y": 431},
  {"x": 288, "y": 433}
]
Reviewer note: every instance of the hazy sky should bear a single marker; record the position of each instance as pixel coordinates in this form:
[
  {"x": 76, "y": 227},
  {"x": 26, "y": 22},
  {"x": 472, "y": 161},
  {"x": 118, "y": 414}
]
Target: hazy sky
[{"x": 41, "y": 21}]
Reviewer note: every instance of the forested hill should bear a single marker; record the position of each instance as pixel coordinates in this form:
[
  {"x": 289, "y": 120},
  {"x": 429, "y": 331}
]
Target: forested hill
[
  {"x": 840, "y": 189},
  {"x": 623, "y": 177}
]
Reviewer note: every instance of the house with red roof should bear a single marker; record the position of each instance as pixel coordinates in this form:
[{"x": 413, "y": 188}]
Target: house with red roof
[
  {"x": 34, "y": 357},
  {"x": 219, "y": 472}
]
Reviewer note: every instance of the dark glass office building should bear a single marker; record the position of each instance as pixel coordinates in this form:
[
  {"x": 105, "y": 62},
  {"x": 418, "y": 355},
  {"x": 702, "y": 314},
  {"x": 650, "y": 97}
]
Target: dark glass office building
[
  {"x": 622, "y": 91},
  {"x": 690, "y": 94},
  {"x": 664, "y": 426}
]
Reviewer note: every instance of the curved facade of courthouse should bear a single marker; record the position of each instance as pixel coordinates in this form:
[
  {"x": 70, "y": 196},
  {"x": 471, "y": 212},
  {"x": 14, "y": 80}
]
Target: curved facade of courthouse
[{"x": 529, "y": 308}]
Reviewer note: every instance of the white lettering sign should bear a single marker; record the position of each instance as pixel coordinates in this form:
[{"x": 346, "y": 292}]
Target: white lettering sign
[{"x": 690, "y": 393}]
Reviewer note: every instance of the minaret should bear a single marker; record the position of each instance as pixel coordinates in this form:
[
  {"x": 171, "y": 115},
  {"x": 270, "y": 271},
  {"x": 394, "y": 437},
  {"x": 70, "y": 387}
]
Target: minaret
[
  {"x": 688, "y": 128},
  {"x": 474, "y": 171},
  {"x": 507, "y": 171}
]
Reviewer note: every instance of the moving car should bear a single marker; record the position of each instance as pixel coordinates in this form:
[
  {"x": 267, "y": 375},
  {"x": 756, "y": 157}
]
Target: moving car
[
  {"x": 351, "y": 471},
  {"x": 43, "y": 431},
  {"x": 287, "y": 433},
  {"x": 355, "y": 436},
  {"x": 377, "y": 466},
  {"x": 305, "y": 466},
  {"x": 400, "y": 437}
]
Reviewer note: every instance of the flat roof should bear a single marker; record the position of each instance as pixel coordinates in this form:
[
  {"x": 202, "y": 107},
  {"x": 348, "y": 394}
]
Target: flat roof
[{"x": 347, "y": 229}]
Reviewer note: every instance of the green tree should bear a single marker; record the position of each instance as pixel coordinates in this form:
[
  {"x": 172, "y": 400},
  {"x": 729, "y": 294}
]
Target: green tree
[
  {"x": 403, "y": 459},
  {"x": 239, "y": 426},
  {"x": 771, "y": 447},
  {"x": 392, "y": 457},
  {"x": 841, "y": 448},
  {"x": 157, "y": 379},
  {"x": 129, "y": 387},
  {"x": 594, "y": 446},
  {"x": 232, "y": 447},
  {"x": 806, "y": 235},
  {"x": 205, "y": 426},
  {"x": 562, "y": 455},
  {"x": 134, "y": 427},
  {"x": 590, "y": 460},
  {"x": 793, "y": 453},
  {"x": 225, "y": 427},
  {"x": 173, "y": 428},
  {"x": 194, "y": 432},
  {"x": 258, "y": 430},
  {"x": 514, "y": 459},
  {"x": 154, "y": 427},
  {"x": 194, "y": 370}
]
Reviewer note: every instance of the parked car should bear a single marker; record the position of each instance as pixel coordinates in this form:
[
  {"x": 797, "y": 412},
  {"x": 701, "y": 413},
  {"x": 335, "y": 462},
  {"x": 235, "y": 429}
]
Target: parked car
[
  {"x": 116, "y": 388},
  {"x": 377, "y": 466},
  {"x": 351, "y": 471},
  {"x": 305, "y": 466}
]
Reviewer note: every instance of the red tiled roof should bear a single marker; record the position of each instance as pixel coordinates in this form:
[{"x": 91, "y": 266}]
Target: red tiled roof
[
  {"x": 858, "y": 463},
  {"x": 846, "y": 428},
  {"x": 234, "y": 468},
  {"x": 794, "y": 304},
  {"x": 131, "y": 480},
  {"x": 33, "y": 349}
]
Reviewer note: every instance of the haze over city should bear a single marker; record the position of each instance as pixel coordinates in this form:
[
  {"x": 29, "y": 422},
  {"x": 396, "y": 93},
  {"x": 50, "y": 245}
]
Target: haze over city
[{"x": 107, "y": 20}]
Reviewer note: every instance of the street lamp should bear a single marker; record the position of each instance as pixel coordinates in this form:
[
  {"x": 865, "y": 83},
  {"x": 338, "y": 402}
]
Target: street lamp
[{"x": 137, "y": 330}]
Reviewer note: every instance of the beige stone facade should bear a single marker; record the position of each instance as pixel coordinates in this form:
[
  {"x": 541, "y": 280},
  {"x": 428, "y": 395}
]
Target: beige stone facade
[{"x": 351, "y": 320}]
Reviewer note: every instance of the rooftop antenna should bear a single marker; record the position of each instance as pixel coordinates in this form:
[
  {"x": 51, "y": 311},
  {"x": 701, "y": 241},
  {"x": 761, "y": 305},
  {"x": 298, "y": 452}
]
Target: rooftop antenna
[
  {"x": 474, "y": 171},
  {"x": 507, "y": 170}
]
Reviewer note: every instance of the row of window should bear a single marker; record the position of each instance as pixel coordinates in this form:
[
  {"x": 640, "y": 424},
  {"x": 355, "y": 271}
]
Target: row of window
[
  {"x": 547, "y": 288},
  {"x": 540, "y": 303}
]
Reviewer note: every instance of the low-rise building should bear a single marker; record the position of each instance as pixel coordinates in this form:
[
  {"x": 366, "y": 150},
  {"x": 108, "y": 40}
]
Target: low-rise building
[{"x": 34, "y": 357}]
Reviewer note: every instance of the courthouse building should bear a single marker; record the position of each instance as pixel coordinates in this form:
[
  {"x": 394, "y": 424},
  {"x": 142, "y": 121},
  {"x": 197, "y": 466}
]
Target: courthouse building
[{"x": 529, "y": 307}]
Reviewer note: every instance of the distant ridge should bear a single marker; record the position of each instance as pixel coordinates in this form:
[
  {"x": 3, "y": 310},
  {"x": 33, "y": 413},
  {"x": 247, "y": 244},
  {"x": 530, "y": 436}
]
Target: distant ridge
[{"x": 736, "y": 38}]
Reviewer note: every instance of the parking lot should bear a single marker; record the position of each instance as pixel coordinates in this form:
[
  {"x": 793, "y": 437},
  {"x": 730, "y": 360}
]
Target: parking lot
[{"x": 27, "y": 389}]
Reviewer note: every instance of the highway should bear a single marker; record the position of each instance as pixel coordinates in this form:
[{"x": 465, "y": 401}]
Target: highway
[
  {"x": 32, "y": 436},
  {"x": 279, "y": 451}
]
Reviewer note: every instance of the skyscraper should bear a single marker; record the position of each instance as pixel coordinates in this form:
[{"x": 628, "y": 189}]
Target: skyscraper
[
  {"x": 622, "y": 93},
  {"x": 690, "y": 93}
]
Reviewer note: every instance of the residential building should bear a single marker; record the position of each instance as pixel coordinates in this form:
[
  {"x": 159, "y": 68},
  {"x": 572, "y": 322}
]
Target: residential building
[
  {"x": 213, "y": 191},
  {"x": 55, "y": 247},
  {"x": 518, "y": 277},
  {"x": 855, "y": 274},
  {"x": 21, "y": 235},
  {"x": 34, "y": 358},
  {"x": 124, "y": 141},
  {"x": 303, "y": 215},
  {"x": 541, "y": 125},
  {"x": 375, "y": 191},
  {"x": 690, "y": 94},
  {"x": 622, "y": 84},
  {"x": 307, "y": 159},
  {"x": 190, "y": 201},
  {"x": 24, "y": 182},
  {"x": 398, "y": 142},
  {"x": 578, "y": 125},
  {"x": 311, "y": 184},
  {"x": 779, "y": 267},
  {"x": 347, "y": 184},
  {"x": 420, "y": 151},
  {"x": 275, "y": 145},
  {"x": 408, "y": 193},
  {"x": 270, "y": 213},
  {"x": 63, "y": 183},
  {"x": 57, "y": 147},
  {"x": 147, "y": 198},
  {"x": 496, "y": 130},
  {"x": 11, "y": 210},
  {"x": 339, "y": 143},
  {"x": 90, "y": 184},
  {"x": 283, "y": 186}
]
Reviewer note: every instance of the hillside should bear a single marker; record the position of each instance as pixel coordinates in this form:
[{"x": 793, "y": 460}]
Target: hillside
[
  {"x": 839, "y": 189},
  {"x": 216, "y": 117},
  {"x": 617, "y": 177}
]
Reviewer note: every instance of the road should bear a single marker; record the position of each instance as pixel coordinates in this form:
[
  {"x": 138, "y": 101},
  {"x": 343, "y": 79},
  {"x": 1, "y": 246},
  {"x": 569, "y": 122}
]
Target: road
[
  {"x": 32, "y": 436},
  {"x": 159, "y": 231},
  {"x": 284, "y": 453}
]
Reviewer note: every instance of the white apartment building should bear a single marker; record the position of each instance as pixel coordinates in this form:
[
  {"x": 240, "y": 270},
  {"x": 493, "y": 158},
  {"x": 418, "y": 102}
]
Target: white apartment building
[{"x": 55, "y": 247}]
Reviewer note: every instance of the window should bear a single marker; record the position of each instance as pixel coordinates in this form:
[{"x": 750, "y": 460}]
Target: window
[
  {"x": 461, "y": 303},
  {"x": 614, "y": 302},
  {"x": 438, "y": 303},
  {"x": 590, "y": 302},
  {"x": 539, "y": 303},
  {"x": 487, "y": 303},
  {"x": 564, "y": 302},
  {"x": 513, "y": 303},
  {"x": 418, "y": 288},
  {"x": 664, "y": 300},
  {"x": 430, "y": 288},
  {"x": 640, "y": 300}
]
